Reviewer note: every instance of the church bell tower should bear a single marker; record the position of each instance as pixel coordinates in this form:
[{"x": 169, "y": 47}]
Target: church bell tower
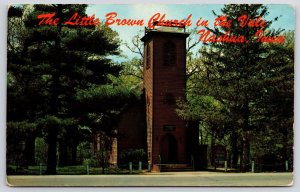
[{"x": 164, "y": 83}]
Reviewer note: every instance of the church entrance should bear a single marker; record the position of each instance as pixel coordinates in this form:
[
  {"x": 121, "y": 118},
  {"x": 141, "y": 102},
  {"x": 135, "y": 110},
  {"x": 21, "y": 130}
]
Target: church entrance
[{"x": 168, "y": 149}]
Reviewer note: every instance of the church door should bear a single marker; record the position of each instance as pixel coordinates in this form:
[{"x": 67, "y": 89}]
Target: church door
[{"x": 168, "y": 149}]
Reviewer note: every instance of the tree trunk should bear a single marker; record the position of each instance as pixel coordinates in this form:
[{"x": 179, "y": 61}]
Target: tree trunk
[
  {"x": 246, "y": 155},
  {"x": 29, "y": 153},
  {"x": 193, "y": 139},
  {"x": 235, "y": 151},
  {"x": 55, "y": 103},
  {"x": 52, "y": 144},
  {"x": 212, "y": 151},
  {"x": 74, "y": 153},
  {"x": 63, "y": 153},
  {"x": 285, "y": 144},
  {"x": 246, "y": 144},
  {"x": 241, "y": 155}
]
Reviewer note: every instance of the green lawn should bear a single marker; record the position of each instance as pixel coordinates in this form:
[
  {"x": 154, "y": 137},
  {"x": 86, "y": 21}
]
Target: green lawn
[{"x": 69, "y": 170}]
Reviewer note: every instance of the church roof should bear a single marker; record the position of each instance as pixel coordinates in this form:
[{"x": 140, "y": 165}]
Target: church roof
[{"x": 165, "y": 31}]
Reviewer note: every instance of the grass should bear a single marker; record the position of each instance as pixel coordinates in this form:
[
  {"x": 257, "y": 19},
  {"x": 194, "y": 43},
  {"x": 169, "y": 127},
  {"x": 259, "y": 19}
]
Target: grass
[{"x": 68, "y": 170}]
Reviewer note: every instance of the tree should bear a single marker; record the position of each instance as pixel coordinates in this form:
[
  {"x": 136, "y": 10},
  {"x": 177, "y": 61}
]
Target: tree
[
  {"x": 53, "y": 64},
  {"x": 235, "y": 77},
  {"x": 275, "y": 107},
  {"x": 132, "y": 71},
  {"x": 21, "y": 90}
]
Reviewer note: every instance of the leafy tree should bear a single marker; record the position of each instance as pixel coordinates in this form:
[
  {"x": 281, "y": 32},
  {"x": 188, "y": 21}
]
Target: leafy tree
[
  {"x": 132, "y": 71},
  {"x": 274, "y": 110},
  {"x": 233, "y": 81}
]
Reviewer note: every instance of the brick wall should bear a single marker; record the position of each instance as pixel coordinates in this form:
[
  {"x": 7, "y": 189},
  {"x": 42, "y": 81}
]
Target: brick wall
[{"x": 131, "y": 128}]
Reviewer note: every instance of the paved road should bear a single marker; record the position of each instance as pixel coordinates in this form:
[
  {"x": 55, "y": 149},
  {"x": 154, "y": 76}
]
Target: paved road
[{"x": 158, "y": 179}]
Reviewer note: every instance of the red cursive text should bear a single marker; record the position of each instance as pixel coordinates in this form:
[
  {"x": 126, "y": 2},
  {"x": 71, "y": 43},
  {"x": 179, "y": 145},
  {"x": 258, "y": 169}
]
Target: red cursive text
[
  {"x": 48, "y": 19},
  {"x": 161, "y": 21},
  {"x": 111, "y": 19},
  {"x": 246, "y": 21},
  {"x": 75, "y": 20},
  {"x": 83, "y": 21}
]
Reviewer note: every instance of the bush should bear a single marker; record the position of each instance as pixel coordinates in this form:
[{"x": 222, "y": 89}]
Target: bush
[{"x": 132, "y": 155}]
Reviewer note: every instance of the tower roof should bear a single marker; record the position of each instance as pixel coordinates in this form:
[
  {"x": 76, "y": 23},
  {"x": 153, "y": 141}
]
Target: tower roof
[{"x": 164, "y": 30}]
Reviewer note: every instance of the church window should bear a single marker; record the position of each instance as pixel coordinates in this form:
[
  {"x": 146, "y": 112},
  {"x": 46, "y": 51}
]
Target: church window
[{"x": 169, "y": 53}]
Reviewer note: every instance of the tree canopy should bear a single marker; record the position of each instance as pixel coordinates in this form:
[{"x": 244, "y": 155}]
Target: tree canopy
[
  {"x": 60, "y": 78},
  {"x": 238, "y": 91}
]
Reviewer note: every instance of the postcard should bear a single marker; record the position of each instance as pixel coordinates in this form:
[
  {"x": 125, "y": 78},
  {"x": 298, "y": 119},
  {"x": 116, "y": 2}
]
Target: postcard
[{"x": 150, "y": 95}]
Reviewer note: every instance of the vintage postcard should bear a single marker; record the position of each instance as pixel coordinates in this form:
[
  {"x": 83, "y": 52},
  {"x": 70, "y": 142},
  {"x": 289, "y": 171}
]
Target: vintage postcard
[{"x": 150, "y": 95}]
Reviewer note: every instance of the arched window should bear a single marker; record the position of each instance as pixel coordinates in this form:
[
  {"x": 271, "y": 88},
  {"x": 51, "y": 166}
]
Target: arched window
[
  {"x": 148, "y": 56},
  {"x": 169, "y": 53}
]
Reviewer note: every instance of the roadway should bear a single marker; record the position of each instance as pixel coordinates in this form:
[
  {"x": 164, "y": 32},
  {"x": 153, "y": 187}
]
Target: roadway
[{"x": 157, "y": 179}]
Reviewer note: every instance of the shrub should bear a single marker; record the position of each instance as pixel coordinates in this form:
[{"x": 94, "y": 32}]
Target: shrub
[{"x": 132, "y": 155}]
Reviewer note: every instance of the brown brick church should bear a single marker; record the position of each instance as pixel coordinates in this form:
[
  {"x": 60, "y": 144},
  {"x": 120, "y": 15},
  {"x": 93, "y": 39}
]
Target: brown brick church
[{"x": 152, "y": 123}]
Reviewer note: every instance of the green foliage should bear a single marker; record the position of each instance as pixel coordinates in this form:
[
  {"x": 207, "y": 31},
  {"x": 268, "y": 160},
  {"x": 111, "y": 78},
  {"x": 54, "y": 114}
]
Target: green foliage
[
  {"x": 84, "y": 151},
  {"x": 88, "y": 157},
  {"x": 16, "y": 133},
  {"x": 20, "y": 127},
  {"x": 40, "y": 151},
  {"x": 51, "y": 120},
  {"x": 132, "y": 155},
  {"x": 203, "y": 107},
  {"x": 102, "y": 93},
  {"x": 57, "y": 73},
  {"x": 243, "y": 93},
  {"x": 132, "y": 72},
  {"x": 99, "y": 159}
]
